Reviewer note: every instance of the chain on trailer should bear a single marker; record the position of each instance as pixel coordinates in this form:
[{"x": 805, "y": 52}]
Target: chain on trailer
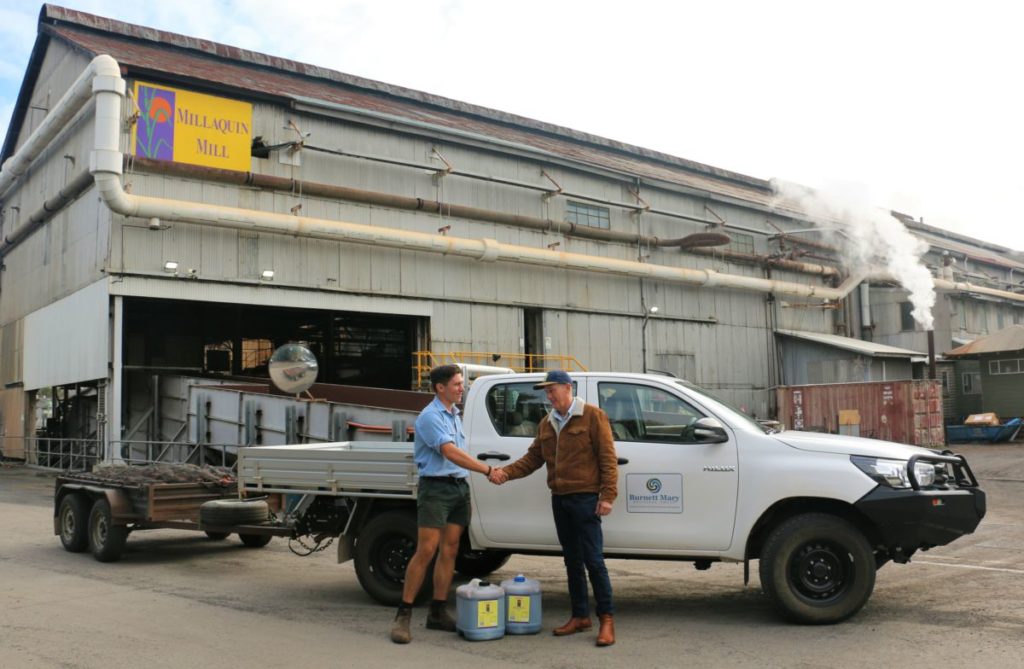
[{"x": 322, "y": 519}]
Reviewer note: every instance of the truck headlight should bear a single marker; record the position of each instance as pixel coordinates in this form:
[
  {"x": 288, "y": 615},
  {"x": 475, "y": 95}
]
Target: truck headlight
[{"x": 893, "y": 473}]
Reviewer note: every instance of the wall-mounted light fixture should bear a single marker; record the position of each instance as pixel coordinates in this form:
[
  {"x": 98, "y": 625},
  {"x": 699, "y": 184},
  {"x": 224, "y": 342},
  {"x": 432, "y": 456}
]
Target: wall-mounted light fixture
[
  {"x": 267, "y": 275},
  {"x": 171, "y": 266}
]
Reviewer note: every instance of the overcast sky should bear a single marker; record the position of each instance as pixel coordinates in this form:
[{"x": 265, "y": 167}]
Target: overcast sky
[{"x": 918, "y": 104}]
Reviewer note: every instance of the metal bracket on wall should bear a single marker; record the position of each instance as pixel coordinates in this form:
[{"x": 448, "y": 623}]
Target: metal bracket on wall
[{"x": 547, "y": 195}]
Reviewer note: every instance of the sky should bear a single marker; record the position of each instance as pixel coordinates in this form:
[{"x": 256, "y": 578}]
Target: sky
[{"x": 918, "y": 106}]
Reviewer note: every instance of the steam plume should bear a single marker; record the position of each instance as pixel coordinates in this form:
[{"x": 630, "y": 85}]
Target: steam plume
[{"x": 869, "y": 239}]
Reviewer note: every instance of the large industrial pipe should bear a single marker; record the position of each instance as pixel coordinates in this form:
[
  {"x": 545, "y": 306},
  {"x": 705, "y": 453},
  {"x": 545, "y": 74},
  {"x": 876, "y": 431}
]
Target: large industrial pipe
[{"x": 78, "y": 184}]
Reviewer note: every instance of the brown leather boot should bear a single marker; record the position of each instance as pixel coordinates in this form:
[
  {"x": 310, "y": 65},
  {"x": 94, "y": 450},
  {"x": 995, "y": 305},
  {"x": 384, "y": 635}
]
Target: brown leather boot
[
  {"x": 574, "y": 625},
  {"x": 606, "y": 633}
]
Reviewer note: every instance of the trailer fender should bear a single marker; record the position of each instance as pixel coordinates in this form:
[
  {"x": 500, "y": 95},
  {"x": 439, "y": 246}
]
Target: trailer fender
[{"x": 121, "y": 508}]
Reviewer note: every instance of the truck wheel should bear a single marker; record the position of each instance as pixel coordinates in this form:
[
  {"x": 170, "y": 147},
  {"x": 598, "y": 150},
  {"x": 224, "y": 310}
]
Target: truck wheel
[
  {"x": 817, "y": 569},
  {"x": 221, "y": 512},
  {"x": 217, "y": 536},
  {"x": 255, "y": 540},
  {"x": 106, "y": 540},
  {"x": 477, "y": 564},
  {"x": 73, "y": 517},
  {"x": 382, "y": 552}
]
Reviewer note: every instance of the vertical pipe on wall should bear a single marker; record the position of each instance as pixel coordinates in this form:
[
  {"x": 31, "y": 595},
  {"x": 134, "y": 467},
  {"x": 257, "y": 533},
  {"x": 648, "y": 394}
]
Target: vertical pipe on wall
[{"x": 113, "y": 445}]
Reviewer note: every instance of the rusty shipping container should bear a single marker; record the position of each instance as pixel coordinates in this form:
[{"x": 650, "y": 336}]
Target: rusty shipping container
[{"x": 908, "y": 412}]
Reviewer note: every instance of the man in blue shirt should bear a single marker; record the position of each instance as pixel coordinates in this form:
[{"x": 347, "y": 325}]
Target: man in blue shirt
[{"x": 442, "y": 504}]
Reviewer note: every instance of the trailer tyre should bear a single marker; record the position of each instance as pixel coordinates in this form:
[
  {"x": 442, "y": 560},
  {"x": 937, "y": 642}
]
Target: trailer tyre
[
  {"x": 220, "y": 512},
  {"x": 817, "y": 569},
  {"x": 255, "y": 540},
  {"x": 73, "y": 519},
  {"x": 478, "y": 564},
  {"x": 382, "y": 552},
  {"x": 106, "y": 539}
]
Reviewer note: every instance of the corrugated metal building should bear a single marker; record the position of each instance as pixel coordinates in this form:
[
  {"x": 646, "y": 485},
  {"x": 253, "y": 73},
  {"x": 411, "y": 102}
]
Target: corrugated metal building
[{"x": 474, "y": 231}]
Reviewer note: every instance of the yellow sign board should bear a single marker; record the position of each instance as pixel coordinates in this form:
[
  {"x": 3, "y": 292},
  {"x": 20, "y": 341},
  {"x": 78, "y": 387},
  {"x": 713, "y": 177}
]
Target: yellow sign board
[{"x": 187, "y": 127}]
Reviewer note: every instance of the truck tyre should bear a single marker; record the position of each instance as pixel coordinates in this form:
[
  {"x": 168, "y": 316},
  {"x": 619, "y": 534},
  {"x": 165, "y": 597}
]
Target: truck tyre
[
  {"x": 255, "y": 540},
  {"x": 217, "y": 536},
  {"x": 106, "y": 539},
  {"x": 221, "y": 512},
  {"x": 383, "y": 549},
  {"x": 73, "y": 519},
  {"x": 817, "y": 569},
  {"x": 478, "y": 564}
]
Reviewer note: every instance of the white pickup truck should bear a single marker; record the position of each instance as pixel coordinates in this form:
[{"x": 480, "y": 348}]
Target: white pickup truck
[{"x": 699, "y": 481}]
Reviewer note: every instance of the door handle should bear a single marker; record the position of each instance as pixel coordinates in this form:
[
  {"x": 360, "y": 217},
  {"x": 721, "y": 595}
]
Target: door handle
[
  {"x": 623, "y": 461},
  {"x": 493, "y": 455}
]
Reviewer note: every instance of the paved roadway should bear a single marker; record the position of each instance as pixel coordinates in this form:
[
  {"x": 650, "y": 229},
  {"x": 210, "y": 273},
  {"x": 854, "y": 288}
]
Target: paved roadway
[{"x": 179, "y": 600}]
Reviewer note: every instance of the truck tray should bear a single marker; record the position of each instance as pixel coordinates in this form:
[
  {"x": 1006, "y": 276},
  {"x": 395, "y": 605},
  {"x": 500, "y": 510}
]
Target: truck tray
[{"x": 367, "y": 469}]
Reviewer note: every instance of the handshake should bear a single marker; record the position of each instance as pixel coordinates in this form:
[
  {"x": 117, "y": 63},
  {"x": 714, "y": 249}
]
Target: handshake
[{"x": 497, "y": 476}]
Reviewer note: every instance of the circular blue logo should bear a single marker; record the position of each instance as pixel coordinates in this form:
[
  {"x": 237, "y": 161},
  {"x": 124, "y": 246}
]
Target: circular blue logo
[{"x": 654, "y": 485}]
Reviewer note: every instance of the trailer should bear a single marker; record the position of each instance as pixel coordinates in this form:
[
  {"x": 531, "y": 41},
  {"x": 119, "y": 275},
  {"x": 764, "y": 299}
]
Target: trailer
[{"x": 97, "y": 511}]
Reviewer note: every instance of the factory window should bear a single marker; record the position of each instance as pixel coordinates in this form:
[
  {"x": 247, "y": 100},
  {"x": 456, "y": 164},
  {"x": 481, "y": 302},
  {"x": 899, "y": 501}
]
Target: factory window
[
  {"x": 586, "y": 214},
  {"x": 907, "y": 317},
  {"x": 740, "y": 242},
  {"x": 945, "y": 376},
  {"x": 972, "y": 383}
]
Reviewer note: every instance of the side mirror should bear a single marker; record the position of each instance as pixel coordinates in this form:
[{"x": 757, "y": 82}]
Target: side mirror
[{"x": 709, "y": 430}]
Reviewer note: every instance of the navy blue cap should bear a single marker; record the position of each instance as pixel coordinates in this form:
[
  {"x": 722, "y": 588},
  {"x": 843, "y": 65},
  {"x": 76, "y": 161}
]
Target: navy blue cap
[{"x": 553, "y": 377}]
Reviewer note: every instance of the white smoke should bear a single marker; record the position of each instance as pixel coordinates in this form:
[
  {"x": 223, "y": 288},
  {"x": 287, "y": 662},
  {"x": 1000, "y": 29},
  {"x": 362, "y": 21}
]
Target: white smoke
[{"x": 869, "y": 239}]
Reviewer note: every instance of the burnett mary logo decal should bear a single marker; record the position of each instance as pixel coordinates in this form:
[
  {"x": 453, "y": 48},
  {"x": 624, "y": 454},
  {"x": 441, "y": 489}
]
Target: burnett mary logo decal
[
  {"x": 654, "y": 485},
  {"x": 154, "y": 134},
  {"x": 655, "y": 492}
]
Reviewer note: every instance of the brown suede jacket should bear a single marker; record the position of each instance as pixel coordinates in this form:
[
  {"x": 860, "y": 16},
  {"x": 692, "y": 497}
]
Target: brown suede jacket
[{"x": 581, "y": 458}]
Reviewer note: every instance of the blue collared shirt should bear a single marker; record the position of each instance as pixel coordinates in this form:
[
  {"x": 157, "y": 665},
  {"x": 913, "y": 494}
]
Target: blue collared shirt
[
  {"x": 435, "y": 427},
  {"x": 558, "y": 420}
]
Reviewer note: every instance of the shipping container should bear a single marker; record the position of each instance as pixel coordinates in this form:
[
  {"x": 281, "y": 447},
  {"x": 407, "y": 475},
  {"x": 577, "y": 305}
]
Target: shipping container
[{"x": 907, "y": 412}]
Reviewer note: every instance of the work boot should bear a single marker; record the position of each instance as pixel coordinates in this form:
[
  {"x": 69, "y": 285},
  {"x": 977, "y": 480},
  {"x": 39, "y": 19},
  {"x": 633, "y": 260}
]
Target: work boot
[
  {"x": 400, "y": 628},
  {"x": 574, "y": 625},
  {"x": 606, "y": 633},
  {"x": 439, "y": 618}
]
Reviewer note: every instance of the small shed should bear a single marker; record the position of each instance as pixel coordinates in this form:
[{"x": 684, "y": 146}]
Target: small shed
[
  {"x": 1001, "y": 358},
  {"x": 815, "y": 357}
]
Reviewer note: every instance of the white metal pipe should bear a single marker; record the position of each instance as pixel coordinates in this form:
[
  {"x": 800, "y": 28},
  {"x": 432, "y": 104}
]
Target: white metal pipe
[{"x": 103, "y": 69}]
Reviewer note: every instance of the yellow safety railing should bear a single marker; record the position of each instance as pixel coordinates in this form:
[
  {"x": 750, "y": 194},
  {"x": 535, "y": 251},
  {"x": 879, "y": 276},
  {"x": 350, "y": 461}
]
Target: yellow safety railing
[{"x": 424, "y": 361}]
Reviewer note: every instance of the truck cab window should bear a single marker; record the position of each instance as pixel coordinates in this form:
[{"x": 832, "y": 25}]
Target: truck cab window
[
  {"x": 515, "y": 409},
  {"x": 645, "y": 413}
]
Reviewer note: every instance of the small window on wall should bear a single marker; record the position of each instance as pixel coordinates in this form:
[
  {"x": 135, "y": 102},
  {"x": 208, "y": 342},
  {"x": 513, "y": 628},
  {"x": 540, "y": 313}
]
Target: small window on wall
[
  {"x": 972, "y": 383},
  {"x": 945, "y": 376},
  {"x": 907, "y": 323},
  {"x": 741, "y": 243},
  {"x": 1014, "y": 366},
  {"x": 587, "y": 214}
]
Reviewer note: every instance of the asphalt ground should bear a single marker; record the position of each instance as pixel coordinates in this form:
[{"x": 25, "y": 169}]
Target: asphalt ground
[{"x": 177, "y": 599}]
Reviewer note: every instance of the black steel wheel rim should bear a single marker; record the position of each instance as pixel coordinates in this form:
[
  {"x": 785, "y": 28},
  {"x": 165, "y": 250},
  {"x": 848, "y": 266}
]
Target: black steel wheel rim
[
  {"x": 67, "y": 523},
  {"x": 821, "y": 572},
  {"x": 393, "y": 555}
]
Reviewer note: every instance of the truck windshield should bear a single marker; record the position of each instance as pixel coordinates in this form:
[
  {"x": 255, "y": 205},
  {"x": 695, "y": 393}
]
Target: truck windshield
[{"x": 739, "y": 418}]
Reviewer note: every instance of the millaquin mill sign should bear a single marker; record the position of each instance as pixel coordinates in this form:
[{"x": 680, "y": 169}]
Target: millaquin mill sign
[{"x": 187, "y": 127}]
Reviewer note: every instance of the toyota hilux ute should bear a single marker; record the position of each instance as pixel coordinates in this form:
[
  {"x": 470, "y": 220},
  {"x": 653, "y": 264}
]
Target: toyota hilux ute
[{"x": 698, "y": 481}]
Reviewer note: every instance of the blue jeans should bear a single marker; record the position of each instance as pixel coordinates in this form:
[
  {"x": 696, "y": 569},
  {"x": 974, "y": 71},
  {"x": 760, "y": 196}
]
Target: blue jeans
[{"x": 579, "y": 532}]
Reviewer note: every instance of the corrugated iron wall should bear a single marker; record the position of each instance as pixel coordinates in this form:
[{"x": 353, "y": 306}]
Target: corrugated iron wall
[{"x": 907, "y": 412}]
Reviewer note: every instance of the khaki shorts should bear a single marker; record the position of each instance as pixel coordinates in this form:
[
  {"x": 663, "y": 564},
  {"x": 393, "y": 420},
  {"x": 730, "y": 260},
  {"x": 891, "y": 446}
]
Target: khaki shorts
[{"x": 441, "y": 502}]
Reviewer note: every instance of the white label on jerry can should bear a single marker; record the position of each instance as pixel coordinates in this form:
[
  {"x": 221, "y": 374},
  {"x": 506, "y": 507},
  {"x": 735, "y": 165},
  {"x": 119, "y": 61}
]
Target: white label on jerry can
[
  {"x": 518, "y": 609},
  {"x": 487, "y": 613}
]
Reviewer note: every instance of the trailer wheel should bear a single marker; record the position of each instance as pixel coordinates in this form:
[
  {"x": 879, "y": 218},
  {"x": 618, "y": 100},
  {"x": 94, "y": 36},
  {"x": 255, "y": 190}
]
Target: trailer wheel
[
  {"x": 817, "y": 569},
  {"x": 477, "y": 564},
  {"x": 382, "y": 552},
  {"x": 106, "y": 539},
  {"x": 217, "y": 536},
  {"x": 255, "y": 540},
  {"x": 73, "y": 517},
  {"x": 221, "y": 512}
]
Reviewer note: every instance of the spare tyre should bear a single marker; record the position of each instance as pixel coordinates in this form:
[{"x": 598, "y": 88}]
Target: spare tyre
[{"x": 224, "y": 512}]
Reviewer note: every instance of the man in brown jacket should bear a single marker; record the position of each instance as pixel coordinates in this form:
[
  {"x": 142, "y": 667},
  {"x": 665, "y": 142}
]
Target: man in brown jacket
[{"x": 575, "y": 442}]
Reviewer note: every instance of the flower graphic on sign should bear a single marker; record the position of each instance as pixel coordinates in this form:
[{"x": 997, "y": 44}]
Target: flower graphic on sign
[{"x": 154, "y": 133}]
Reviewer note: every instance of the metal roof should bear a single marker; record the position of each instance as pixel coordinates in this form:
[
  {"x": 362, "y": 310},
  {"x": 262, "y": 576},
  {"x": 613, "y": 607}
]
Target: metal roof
[
  {"x": 143, "y": 51},
  {"x": 868, "y": 348},
  {"x": 1005, "y": 341}
]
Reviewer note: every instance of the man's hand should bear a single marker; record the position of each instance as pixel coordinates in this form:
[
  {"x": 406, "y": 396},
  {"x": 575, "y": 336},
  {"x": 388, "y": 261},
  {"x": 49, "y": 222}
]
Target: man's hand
[
  {"x": 603, "y": 508},
  {"x": 497, "y": 476}
]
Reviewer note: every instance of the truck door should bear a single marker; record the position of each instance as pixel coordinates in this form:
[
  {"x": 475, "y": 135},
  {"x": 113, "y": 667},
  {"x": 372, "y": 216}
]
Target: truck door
[
  {"x": 519, "y": 512},
  {"x": 675, "y": 493}
]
